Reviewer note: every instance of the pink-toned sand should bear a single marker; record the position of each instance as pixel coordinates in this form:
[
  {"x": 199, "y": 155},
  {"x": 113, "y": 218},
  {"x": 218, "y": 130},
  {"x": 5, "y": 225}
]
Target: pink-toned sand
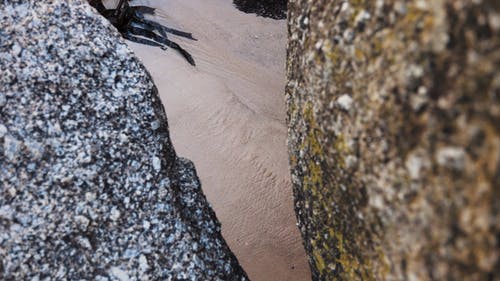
[{"x": 227, "y": 116}]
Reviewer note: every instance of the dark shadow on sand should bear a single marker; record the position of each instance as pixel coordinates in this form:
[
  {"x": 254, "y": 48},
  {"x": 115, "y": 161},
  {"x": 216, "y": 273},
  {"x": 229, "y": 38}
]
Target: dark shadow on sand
[{"x": 275, "y": 9}]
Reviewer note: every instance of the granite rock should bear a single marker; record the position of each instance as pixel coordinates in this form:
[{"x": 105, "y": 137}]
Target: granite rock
[
  {"x": 394, "y": 137},
  {"x": 90, "y": 185}
]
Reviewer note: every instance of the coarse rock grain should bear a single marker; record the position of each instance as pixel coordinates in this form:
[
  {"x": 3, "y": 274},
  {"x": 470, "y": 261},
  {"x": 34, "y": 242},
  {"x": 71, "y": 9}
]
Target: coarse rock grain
[
  {"x": 90, "y": 185},
  {"x": 394, "y": 137}
]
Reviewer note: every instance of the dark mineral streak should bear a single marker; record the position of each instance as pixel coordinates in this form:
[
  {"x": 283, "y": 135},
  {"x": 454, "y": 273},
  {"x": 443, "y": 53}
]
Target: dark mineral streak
[{"x": 90, "y": 185}]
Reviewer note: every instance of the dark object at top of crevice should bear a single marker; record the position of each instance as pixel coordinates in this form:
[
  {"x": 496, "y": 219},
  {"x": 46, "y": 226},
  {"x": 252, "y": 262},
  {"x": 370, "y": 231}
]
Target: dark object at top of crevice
[
  {"x": 131, "y": 23},
  {"x": 275, "y": 9}
]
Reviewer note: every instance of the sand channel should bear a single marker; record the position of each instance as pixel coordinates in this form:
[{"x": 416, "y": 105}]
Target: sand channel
[{"x": 227, "y": 116}]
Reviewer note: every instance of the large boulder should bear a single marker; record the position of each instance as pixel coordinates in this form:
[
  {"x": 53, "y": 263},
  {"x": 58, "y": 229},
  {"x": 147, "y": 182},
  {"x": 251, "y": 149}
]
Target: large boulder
[
  {"x": 90, "y": 185},
  {"x": 394, "y": 137}
]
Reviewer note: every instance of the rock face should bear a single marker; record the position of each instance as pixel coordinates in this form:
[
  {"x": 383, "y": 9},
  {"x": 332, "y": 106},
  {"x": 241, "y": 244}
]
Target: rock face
[
  {"x": 90, "y": 185},
  {"x": 394, "y": 137}
]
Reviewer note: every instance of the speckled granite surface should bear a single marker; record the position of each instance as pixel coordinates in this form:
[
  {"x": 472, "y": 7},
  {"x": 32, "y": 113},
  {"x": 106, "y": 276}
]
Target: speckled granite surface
[
  {"x": 90, "y": 185},
  {"x": 394, "y": 137}
]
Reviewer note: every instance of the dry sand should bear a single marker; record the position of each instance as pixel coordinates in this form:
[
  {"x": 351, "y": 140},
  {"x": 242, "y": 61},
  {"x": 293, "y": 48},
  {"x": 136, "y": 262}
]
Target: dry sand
[{"x": 227, "y": 116}]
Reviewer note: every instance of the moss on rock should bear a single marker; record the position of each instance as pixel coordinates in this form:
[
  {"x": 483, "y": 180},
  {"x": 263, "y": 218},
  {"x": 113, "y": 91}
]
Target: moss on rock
[{"x": 394, "y": 137}]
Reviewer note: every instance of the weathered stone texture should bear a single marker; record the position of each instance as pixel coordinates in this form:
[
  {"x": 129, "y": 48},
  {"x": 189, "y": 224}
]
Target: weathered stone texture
[
  {"x": 90, "y": 185},
  {"x": 394, "y": 137}
]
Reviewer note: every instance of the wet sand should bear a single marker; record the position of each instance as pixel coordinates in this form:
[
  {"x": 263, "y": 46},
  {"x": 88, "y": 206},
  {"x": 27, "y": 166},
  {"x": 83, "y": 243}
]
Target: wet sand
[{"x": 227, "y": 116}]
